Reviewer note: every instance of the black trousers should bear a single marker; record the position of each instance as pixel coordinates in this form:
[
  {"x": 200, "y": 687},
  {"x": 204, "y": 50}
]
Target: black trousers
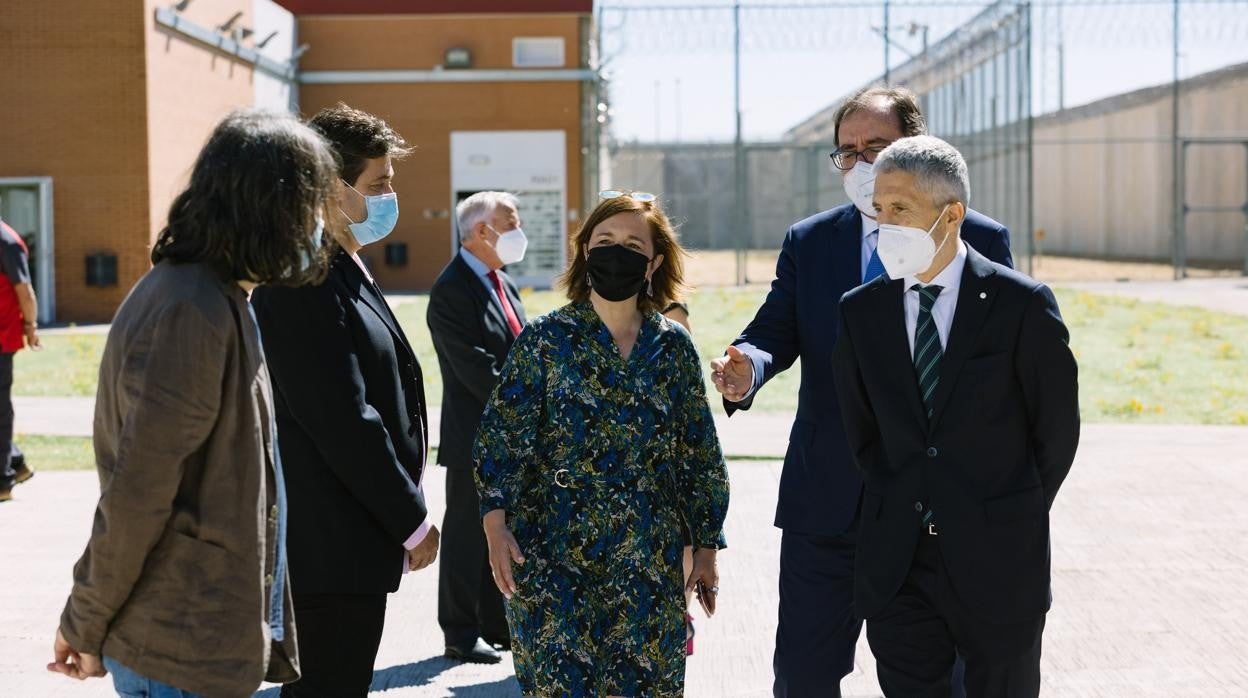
[
  {"x": 338, "y": 639},
  {"x": 915, "y": 637},
  {"x": 469, "y": 603},
  {"x": 10, "y": 454}
]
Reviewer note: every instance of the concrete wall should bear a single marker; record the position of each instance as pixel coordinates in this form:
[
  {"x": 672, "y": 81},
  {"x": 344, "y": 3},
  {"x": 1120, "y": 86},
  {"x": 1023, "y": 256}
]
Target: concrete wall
[
  {"x": 426, "y": 113},
  {"x": 1104, "y": 173},
  {"x": 784, "y": 184}
]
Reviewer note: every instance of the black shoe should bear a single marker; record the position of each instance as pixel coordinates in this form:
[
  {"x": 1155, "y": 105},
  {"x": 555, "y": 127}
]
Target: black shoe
[
  {"x": 478, "y": 653},
  {"x": 501, "y": 644},
  {"x": 23, "y": 473}
]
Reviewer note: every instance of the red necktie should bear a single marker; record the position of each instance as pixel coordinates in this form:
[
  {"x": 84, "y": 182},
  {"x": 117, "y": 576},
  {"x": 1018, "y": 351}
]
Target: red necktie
[{"x": 510, "y": 312}]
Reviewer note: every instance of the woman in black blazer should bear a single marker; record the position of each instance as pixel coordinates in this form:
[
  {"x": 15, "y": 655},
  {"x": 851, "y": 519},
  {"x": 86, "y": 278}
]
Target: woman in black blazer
[{"x": 352, "y": 426}]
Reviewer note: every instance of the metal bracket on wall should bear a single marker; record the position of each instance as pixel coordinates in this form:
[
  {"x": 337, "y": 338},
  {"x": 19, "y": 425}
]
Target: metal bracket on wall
[
  {"x": 170, "y": 19},
  {"x": 356, "y": 77}
]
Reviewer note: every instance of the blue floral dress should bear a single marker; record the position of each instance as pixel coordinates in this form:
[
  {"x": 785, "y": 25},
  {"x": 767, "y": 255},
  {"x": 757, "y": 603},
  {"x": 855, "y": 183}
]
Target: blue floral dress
[{"x": 602, "y": 464}]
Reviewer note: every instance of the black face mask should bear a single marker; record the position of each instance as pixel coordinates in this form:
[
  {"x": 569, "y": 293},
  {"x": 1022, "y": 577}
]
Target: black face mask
[{"x": 615, "y": 272}]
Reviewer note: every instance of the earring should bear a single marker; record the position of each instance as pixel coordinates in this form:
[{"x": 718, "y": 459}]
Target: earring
[
  {"x": 650, "y": 287},
  {"x": 588, "y": 281}
]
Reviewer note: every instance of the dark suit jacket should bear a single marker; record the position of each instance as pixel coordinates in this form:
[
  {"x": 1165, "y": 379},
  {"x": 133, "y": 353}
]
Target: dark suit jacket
[
  {"x": 471, "y": 336},
  {"x": 1000, "y": 442},
  {"x": 820, "y": 260},
  {"x": 351, "y": 425}
]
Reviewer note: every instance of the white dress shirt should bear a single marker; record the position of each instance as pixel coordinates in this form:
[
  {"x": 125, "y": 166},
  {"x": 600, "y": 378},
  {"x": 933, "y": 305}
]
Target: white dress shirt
[{"x": 949, "y": 279}]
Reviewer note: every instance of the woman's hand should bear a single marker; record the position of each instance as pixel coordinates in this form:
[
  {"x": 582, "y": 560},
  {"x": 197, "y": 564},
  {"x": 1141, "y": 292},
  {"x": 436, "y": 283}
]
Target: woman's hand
[
  {"x": 504, "y": 550},
  {"x": 706, "y": 571}
]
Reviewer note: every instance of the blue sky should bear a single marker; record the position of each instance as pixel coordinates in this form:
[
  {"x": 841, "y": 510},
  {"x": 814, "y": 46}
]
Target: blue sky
[{"x": 800, "y": 58}]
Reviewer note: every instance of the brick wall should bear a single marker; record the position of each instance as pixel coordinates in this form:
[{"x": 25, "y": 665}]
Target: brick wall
[
  {"x": 189, "y": 89},
  {"x": 426, "y": 113},
  {"x": 74, "y": 110},
  {"x": 114, "y": 109}
]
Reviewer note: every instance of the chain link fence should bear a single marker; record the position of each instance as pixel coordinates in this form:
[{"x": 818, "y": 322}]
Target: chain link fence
[{"x": 1094, "y": 180}]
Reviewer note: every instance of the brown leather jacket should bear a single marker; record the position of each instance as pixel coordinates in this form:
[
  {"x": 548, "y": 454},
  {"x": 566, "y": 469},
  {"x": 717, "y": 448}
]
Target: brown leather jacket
[{"x": 175, "y": 580}]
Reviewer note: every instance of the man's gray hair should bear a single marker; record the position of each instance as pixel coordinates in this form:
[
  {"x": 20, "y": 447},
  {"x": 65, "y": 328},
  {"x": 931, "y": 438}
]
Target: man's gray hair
[
  {"x": 938, "y": 168},
  {"x": 480, "y": 207}
]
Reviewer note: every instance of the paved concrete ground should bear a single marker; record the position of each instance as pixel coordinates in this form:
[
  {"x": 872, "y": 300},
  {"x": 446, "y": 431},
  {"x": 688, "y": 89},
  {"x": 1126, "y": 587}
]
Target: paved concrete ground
[
  {"x": 53, "y": 416},
  {"x": 1150, "y": 558},
  {"x": 1225, "y": 294}
]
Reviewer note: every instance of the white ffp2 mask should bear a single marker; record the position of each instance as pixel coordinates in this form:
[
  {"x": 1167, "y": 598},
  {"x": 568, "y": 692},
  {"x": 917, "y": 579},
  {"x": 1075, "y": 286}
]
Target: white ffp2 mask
[
  {"x": 511, "y": 246},
  {"x": 860, "y": 187},
  {"x": 906, "y": 251}
]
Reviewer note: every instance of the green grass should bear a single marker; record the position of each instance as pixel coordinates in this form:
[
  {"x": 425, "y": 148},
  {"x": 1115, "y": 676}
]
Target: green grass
[
  {"x": 1139, "y": 362},
  {"x": 57, "y": 452},
  {"x": 1153, "y": 363},
  {"x": 69, "y": 364}
]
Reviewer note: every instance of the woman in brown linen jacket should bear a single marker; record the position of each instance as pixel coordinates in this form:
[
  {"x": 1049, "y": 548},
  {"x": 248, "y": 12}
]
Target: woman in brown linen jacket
[{"x": 183, "y": 581}]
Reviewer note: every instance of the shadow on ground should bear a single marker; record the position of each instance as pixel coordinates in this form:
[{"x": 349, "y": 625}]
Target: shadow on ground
[{"x": 423, "y": 673}]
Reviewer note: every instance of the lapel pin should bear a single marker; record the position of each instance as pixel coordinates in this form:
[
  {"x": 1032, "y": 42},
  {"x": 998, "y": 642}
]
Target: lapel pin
[{"x": 983, "y": 295}]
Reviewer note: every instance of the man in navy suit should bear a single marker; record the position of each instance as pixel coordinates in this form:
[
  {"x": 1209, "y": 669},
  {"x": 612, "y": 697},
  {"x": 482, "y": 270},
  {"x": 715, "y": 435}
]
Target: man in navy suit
[{"x": 822, "y": 258}]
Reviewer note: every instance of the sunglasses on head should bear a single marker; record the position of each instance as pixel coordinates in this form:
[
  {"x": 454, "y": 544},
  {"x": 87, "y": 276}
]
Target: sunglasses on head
[{"x": 644, "y": 197}]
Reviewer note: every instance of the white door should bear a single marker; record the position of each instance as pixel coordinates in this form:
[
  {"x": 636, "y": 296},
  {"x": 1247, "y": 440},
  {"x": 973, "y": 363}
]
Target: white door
[
  {"x": 533, "y": 166},
  {"x": 26, "y": 206}
]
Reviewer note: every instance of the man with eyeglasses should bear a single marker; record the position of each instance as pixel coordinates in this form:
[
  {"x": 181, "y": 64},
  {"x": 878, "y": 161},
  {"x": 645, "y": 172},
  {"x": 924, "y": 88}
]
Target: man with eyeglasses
[{"x": 822, "y": 258}]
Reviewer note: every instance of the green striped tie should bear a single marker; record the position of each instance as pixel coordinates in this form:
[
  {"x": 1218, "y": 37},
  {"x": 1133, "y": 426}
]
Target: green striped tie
[{"x": 927, "y": 349}]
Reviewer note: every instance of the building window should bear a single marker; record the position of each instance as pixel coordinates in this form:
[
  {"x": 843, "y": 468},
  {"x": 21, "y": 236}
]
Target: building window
[{"x": 537, "y": 52}]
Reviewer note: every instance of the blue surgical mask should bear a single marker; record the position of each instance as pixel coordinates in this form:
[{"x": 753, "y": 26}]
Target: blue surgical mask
[
  {"x": 382, "y": 214},
  {"x": 318, "y": 237},
  {"x": 318, "y": 233}
]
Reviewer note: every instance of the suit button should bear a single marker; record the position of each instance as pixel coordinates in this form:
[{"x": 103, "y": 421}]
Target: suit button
[
  {"x": 932, "y": 452},
  {"x": 273, "y": 513},
  {"x": 918, "y": 506},
  {"x": 268, "y": 580}
]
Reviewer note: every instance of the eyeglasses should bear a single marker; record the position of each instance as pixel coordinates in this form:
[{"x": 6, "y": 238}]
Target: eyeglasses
[
  {"x": 845, "y": 158},
  {"x": 644, "y": 197}
]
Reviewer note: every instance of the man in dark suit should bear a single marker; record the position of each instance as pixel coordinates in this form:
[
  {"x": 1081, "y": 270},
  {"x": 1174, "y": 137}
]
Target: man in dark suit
[
  {"x": 352, "y": 425},
  {"x": 823, "y": 257},
  {"x": 474, "y": 315},
  {"x": 960, "y": 401}
]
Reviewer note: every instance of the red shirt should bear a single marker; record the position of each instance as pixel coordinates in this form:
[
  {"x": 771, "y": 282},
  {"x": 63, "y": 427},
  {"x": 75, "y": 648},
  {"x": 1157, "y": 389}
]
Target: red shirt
[{"x": 13, "y": 258}]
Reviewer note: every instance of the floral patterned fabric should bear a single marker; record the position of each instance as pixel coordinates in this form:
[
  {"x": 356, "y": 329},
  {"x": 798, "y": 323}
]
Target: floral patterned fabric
[{"x": 600, "y": 603}]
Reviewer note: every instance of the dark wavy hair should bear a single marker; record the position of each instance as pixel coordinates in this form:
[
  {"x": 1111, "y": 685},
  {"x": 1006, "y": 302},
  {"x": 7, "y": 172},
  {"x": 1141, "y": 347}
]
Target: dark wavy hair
[
  {"x": 901, "y": 101},
  {"x": 357, "y": 137},
  {"x": 256, "y": 190},
  {"x": 667, "y": 282}
]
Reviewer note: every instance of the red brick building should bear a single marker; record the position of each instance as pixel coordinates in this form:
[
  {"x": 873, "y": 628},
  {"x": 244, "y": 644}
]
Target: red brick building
[
  {"x": 107, "y": 104},
  {"x": 492, "y": 97}
]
